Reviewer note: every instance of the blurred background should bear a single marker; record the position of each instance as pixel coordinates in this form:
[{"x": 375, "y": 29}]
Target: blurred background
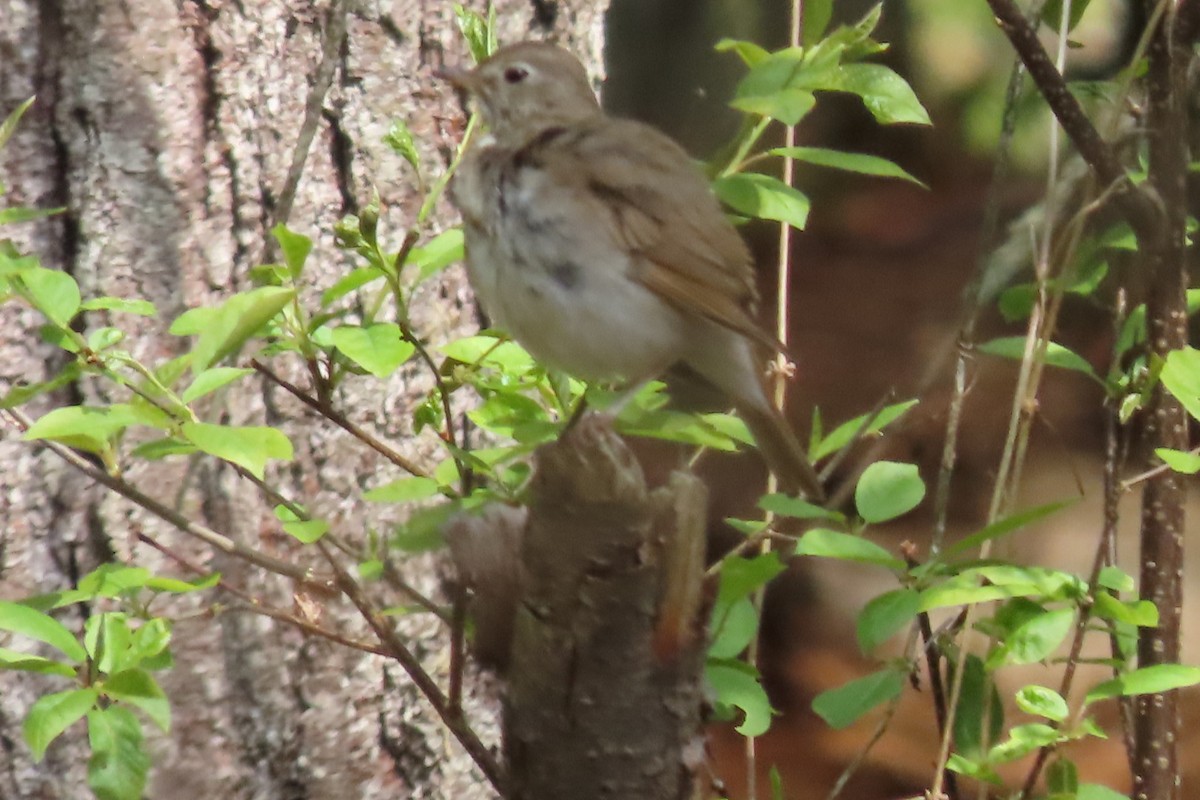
[{"x": 877, "y": 305}]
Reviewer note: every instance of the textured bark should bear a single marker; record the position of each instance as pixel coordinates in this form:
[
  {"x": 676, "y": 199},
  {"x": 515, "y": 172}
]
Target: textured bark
[
  {"x": 168, "y": 131},
  {"x": 1156, "y": 773},
  {"x": 602, "y": 560}
]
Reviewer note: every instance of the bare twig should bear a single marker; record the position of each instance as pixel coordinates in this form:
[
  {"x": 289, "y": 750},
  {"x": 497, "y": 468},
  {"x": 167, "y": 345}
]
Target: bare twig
[
  {"x": 397, "y": 650},
  {"x": 1143, "y": 215},
  {"x": 205, "y": 534},
  {"x": 339, "y": 419},
  {"x": 255, "y": 606},
  {"x": 331, "y": 47}
]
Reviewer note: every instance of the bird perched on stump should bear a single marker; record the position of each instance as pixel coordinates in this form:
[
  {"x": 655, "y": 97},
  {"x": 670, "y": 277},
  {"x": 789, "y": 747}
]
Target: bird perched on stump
[{"x": 600, "y": 247}]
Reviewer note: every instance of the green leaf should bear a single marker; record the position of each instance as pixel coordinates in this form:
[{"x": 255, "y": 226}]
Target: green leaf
[
  {"x": 835, "y": 544},
  {"x": 1056, "y": 355},
  {"x": 1053, "y": 9},
  {"x": 817, "y": 14},
  {"x": 732, "y": 628},
  {"x": 786, "y": 506},
  {"x": 979, "y": 703},
  {"x": 17, "y": 214},
  {"x": 442, "y": 250},
  {"x": 1062, "y": 776},
  {"x": 1036, "y": 639},
  {"x": 306, "y": 531},
  {"x": 404, "y": 490},
  {"x": 160, "y": 583},
  {"x": 1004, "y": 527},
  {"x": 1142, "y": 613},
  {"x": 212, "y": 379},
  {"x": 138, "y": 688},
  {"x": 1116, "y": 579},
  {"x": 1147, "y": 680},
  {"x": 23, "y": 620},
  {"x": 1181, "y": 377},
  {"x": 886, "y": 95},
  {"x": 763, "y": 197},
  {"x": 295, "y": 248},
  {"x": 125, "y": 305},
  {"x": 355, "y": 279},
  {"x": 9, "y": 126},
  {"x": 1094, "y": 791},
  {"x": 884, "y": 616},
  {"x": 1042, "y": 702},
  {"x": 888, "y": 489},
  {"x": 749, "y": 52},
  {"x": 769, "y": 89},
  {"x": 379, "y": 349},
  {"x": 850, "y": 162},
  {"x": 842, "y": 707},
  {"x": 54, "y": 713},
  {"x": 112, "y": 580},
  {"x": 226, "y": 328},
  {"x": 961, "y": 590},
  {"x": 1182, "y": 461},
  {"x": 736, "y": 685},
  {"x": 1023, "y": 740},
  {"x": 250, "y": 447},
  {"x": 162, "y": 448},
  {"x": 21, "y": 393},
  {"x": 118, "y": 766},
  {"x": 54, "y": 293},
  {"x": 844, "y": 433},
  {"x": 12, "y": 659},
  {"x": 476, "y": 30}
]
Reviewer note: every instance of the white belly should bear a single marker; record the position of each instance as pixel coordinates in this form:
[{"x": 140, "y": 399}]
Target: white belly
[{"x": 582, "y": 314}]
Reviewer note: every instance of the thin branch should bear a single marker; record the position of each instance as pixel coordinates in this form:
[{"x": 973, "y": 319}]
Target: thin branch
[
  {"x": 337, "y": 418},
  {"x": 397, "y": 650},
  {"x": 205, "y": 534},
  {"x": 331, "y": 48},
  {"x": 1143, "y": 215},
  {"x": 255, "y": 606}
]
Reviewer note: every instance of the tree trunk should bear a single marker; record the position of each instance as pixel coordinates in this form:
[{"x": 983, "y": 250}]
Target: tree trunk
[{"x": 169, "y": 131}]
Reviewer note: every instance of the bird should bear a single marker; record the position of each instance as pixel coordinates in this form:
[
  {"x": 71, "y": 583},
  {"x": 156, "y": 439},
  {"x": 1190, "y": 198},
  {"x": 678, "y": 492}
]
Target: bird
[{"x": 597, "y": 243}]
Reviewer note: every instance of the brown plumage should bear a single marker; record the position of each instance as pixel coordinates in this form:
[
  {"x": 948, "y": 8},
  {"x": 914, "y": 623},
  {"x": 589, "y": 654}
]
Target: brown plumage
[{"x": 598, "y": 244}]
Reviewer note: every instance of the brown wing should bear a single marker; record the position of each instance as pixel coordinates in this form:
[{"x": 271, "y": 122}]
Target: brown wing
[{"x": 659, "y": 206}]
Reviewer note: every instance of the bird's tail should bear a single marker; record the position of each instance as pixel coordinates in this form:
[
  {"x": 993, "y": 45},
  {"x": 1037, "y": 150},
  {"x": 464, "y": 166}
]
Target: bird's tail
[{"x": 784, "y": 454}]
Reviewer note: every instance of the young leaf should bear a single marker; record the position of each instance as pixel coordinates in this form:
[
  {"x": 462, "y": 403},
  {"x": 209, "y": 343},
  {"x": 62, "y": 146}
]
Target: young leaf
[
  {"x": 306, "y": 531},
  {"x": 1182, "y": 461},
  {"x": 884, "y": 616},
  {"x": 250, "y": 447},
  {"x": 379, "y": 349},
  {"x": 1181, "y": 377},
  {"x": 1147, "y": 680},
  {"x": 53, "y": 292},
  {"x": 9, "y": 126},
  {"x": 400, "y": 139},
  {"x": 442, "y": 250},
  {"x": 23, "y": 620},
  {"x": 769, "y": 89},
  {"x": 1042, "y": 702},
  {"x": 850, "y": 162},
  {"x": 226, "y": 328},
  {"x": 1004, "y": 527},
  {"x": 118, "y": 766},
  {"x": 749, "y": 52},
  {"x": 886, "y": 95},
  {"x": 763, "y": 197},
  {"x": 54, "y": 713},
  {"x": 843, "y": 706},
  {"x": 736, "y": 685},
  {"x": 794, "y": 507},
  {"x": 212, "y": 379},
  {"x": 888, "y": 489},
  {"x": 125, "y": 305},
  {"x": 834, "y": 544},
  {"x": 138, "y": 688},
  {"x": 1036, "y": 639},
  {"x": 1056, "y": 355},
  {"x": 11, "y": 659},
  {"x": 840, "y": 436},
  {"x": 295, "y": 247},
  {"x": 404, "y": 490}
]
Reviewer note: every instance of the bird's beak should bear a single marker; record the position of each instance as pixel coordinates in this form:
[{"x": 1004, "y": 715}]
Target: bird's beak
[{"x": 458, "y": 77}]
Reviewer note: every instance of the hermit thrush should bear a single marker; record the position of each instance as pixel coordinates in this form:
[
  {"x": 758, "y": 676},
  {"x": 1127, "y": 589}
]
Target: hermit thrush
[{"x": 597, "y": 244}]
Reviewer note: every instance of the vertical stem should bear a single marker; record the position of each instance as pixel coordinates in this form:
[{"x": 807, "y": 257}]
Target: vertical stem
[{"x": 1156, "y": 716}]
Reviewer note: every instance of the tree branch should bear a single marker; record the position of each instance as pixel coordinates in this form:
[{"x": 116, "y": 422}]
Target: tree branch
[{"x": 1143, "y": 215}]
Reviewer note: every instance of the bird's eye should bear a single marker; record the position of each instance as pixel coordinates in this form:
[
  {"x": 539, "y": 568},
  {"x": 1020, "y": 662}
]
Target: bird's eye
[{"x": 515, "y": 74}]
